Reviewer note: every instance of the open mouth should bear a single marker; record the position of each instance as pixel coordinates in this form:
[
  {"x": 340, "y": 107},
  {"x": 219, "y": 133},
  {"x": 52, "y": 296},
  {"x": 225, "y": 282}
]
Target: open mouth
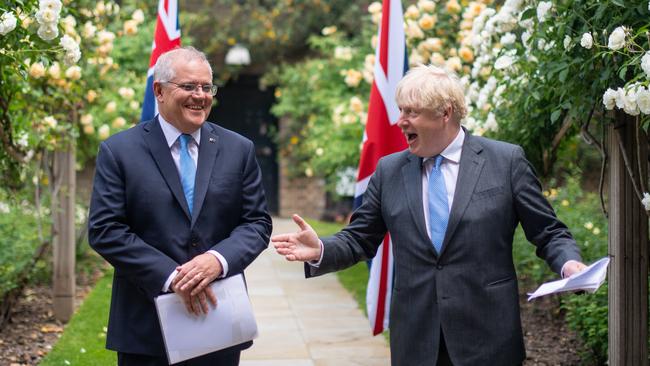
[{"x": 410, "y": 137}]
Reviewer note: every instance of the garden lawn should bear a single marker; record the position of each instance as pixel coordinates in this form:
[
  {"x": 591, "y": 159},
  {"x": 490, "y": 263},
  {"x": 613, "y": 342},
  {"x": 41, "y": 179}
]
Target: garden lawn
[{"x": 84, "y": 338}]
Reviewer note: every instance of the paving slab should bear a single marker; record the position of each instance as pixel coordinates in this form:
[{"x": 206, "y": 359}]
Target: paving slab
[{"x": 302, "y": 322}]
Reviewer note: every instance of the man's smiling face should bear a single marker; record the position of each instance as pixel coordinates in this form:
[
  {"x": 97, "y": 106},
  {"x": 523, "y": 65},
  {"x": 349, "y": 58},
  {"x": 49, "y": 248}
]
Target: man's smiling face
[{"x": 185, "y": 110}]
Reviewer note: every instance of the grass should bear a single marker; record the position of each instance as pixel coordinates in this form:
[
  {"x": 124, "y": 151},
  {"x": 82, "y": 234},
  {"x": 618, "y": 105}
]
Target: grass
[{"x": 84, "y": 338}]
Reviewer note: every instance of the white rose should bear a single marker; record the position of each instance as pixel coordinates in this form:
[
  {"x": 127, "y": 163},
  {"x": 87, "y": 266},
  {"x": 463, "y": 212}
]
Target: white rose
[
  {"x": 374, "y": 8},
  {"x": 609, "y": 99},
  {"x": 7, "y": 23},
  {"x": 567, "y": 43},
  {"x": 127, "y": 93},
  {"x": 50, "y": 121},
  {"x": 646, "y": 201},
  {"x": 103, "y": 132},
  {"x": 54, "y": 70},
  {"x": 542, "y": 10},
  {"x": 138, "y": 16},
  {"x": 617, "y": 39},
  {"x": 88, "y": 30},
  {"x": 643, "y": 100},
  {"x": 54, "y": 5},
  {"x": 587, "y": 41},
  {"x": 48, "y": 32},
  {"x": 71, "y": 57},
  {"x": 508, "y": 39},
  {"x": 68, "y": 43},
  {"x": 490, "y": 123},
  {"x": 631, "y": 106},
  {"x": 620, "y": 98},
  {"x": 343, "y": 53},
  {"x": 645, "y": 64},
  {"x": 503, "y": 62},
  {"x": 47, "y": 17}
]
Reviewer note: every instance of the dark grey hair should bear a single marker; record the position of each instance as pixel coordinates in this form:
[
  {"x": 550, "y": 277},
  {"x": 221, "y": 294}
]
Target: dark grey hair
[{"x": 164, "y": 70}]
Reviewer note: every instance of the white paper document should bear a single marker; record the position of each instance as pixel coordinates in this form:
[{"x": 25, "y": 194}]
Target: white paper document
[
  {"x": 187, "y": 336},
  {"x": 589, "y": 279}
]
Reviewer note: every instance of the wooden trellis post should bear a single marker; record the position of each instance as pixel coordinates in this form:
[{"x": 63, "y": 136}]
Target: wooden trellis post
[
  {"x": 63, "y": 212},
  {"x": 628, "y": 245}
]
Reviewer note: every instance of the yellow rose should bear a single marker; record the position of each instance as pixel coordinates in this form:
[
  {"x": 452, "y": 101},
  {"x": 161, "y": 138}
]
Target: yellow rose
[
  {"x": 329, "y": 30},
  {"x": 54, "y": 71},
  {"x": 130, "y": 27},
  {"x": 427, "y": 22},
  {"x": 356, "y": 105},
  {"x": 91, "y": 95},
  {"x": 110, "y": 107},
  {"x": 412, "y": 12},
  {"x": 73, "y": 73},
  {"x": 454, "y": 63},
  {"x": 374, "y": 8},
  {"x": 427, "y": 6},
  {"x": 118, "y": 122},
  {"x": 89, "y": 129},
  {"x": 437, "y": 59},
  {"x": 466, "y": 54},
  {"x": 37, "y": 70},
  {"x": 453, "y": 7},
  {"x": 86, "y": 119}
]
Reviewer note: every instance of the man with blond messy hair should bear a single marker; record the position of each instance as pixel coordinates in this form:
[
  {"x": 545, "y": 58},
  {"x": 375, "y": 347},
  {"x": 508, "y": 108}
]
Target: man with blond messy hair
[{"x": 451, "y": 203}]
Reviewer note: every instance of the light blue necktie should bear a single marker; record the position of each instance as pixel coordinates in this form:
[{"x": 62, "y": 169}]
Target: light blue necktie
[
  {"x": 438, "y": 205},
  {"x": 188, "y": 170}
]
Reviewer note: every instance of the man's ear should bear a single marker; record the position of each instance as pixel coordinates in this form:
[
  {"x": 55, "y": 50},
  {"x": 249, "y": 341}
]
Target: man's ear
[
  {"x": 157, "y": 91},
  {"x": 448, "y": 113}
]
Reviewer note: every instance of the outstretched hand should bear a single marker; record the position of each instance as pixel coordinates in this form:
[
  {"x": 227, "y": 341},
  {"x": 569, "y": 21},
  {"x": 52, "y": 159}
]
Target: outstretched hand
[{"x": 303, "y": 245}]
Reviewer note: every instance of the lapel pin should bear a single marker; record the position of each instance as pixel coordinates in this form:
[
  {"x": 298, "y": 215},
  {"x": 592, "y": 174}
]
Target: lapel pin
[{"x": 211, "y": 139}]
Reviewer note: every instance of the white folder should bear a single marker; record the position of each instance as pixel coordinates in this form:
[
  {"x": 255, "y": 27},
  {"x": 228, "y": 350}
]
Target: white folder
[{"x": 187, "y": 336}]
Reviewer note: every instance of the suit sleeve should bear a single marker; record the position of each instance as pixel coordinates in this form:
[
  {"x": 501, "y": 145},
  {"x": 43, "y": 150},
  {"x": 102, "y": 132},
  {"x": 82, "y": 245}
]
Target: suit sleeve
[
  {"x": 110, "y": 235},
  {"x": 252, "y": 234},
  {"x": 554, "y": 242},
  {"x": 360, "y": 239}
]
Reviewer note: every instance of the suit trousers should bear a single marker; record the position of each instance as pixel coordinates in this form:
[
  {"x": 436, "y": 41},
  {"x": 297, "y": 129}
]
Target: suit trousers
[{"x": 211, "y": 359}]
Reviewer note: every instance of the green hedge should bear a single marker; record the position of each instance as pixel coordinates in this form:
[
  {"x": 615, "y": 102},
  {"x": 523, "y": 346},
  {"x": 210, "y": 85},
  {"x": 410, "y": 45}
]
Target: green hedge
[{"x": 18, "y": 243}]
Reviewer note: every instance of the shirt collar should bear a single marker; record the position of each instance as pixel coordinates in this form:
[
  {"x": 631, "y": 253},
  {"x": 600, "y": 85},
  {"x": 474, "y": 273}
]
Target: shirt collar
[
  {"x": 453, "y": 150},
  {"x": 172, "y": 133}
]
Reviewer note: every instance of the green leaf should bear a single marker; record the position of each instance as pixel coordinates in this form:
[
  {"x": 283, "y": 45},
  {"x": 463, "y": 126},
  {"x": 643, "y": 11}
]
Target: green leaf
[
  {"x": 563, "y": 74},
  {"x": 622, "y": 72},
  {"x": 555, "y": 115}
]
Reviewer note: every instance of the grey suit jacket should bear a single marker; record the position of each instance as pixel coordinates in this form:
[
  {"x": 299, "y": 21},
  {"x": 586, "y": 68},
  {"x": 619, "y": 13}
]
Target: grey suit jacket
[{"x": 470, "y": 291}]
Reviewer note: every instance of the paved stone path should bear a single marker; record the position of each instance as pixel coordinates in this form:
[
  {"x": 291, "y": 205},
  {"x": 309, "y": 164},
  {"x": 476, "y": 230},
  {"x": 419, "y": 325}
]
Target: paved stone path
[{"x": 301, "y": 322}]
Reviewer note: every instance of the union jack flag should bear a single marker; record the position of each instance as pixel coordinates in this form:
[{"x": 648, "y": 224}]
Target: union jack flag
[
  {"x": 167, "y": 36},
  {"x": 382, "y": 137}
]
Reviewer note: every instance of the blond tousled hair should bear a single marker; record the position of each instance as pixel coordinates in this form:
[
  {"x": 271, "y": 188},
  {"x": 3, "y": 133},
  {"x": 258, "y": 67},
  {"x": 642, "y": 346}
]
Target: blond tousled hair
[{"x": 433, "y": 88}]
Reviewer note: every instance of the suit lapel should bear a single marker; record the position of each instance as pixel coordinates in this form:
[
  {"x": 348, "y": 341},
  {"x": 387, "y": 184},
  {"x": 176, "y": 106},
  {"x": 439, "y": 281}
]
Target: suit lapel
[
  {"x": 155, "y": 139},
  {"x": 208, "y": 151},
  {"x": 412, "y": 174},
  {"x": 471, "y": 164}
]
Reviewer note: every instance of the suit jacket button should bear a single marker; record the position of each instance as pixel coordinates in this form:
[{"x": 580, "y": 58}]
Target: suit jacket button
[
  {"x": 194, "y": 244},
  {"x": 439, "y": 266}
]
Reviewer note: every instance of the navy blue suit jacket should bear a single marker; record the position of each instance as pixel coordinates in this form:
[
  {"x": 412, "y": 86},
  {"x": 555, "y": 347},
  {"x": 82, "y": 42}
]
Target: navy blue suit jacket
[{"x": 140, "y": 223}]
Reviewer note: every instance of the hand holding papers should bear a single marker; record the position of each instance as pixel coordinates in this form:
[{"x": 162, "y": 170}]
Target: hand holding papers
[
  {"x": 589, "y": 279},
  {"x": 187, "y": 336}
]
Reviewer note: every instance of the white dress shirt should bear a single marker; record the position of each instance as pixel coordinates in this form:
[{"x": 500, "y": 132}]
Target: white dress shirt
[{"x": 171, "y": 135}]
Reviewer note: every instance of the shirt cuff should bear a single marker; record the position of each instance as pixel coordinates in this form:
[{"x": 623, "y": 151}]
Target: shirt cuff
[
  {"x": 564, "y": 266},
  {"x": 316, "y": 264},
  {"x": 222, "y": 260},
  {"x": 169, "y": 281}
]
